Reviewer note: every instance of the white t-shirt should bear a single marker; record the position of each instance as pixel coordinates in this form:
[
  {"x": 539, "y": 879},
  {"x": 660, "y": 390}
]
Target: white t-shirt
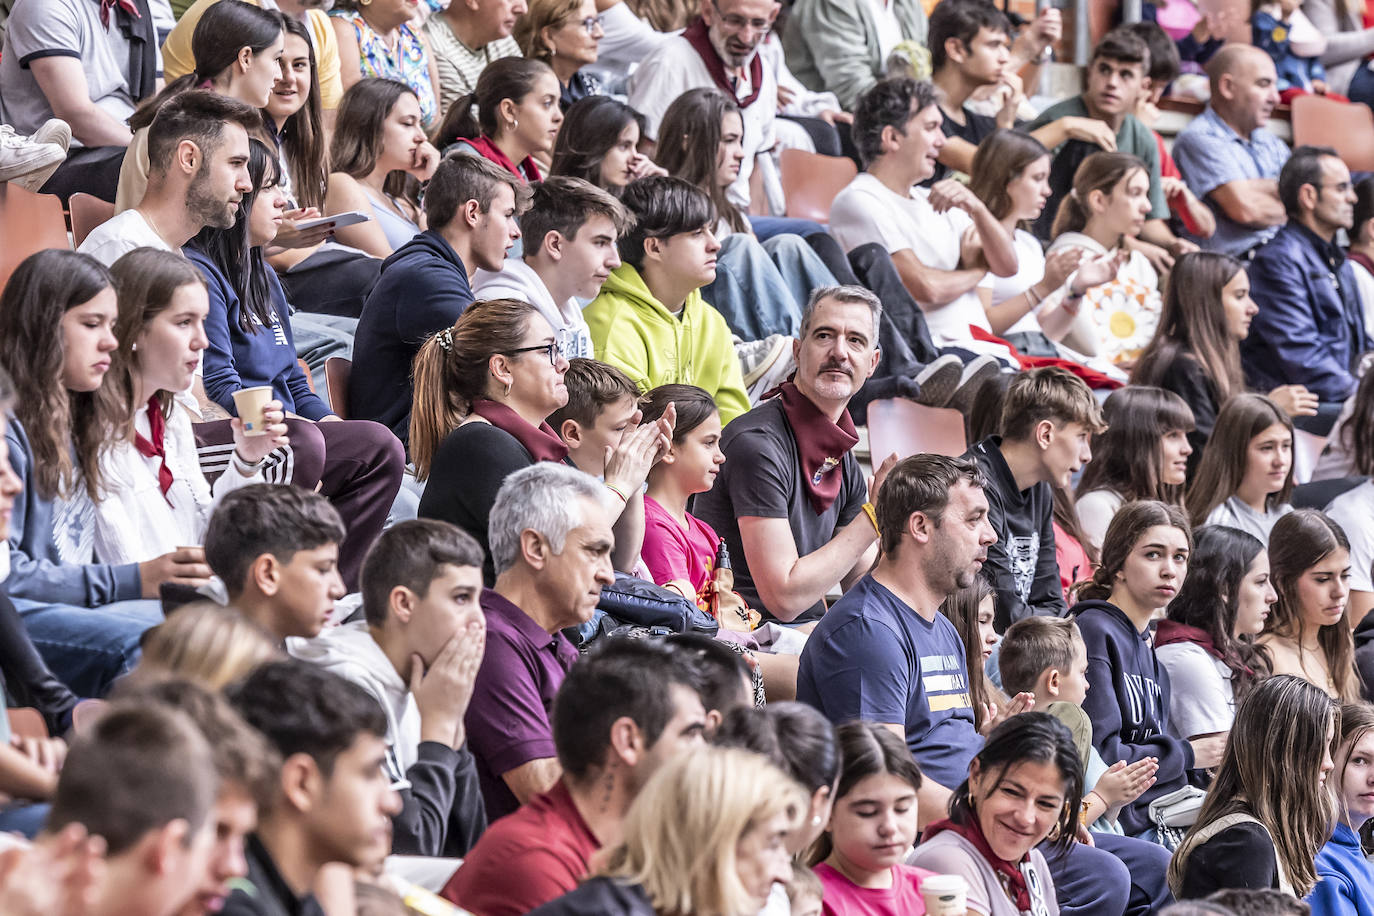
[
  {"x": 1202, "y": 699},
  {"x": 889, "y": 29},
  {"x": 1235, "y": 514},
  {"x": 1353, "y": 511},
  {"x": 676, "y": 67},
  {"x": 1030, "y": 270},
  {"x": 120, "y": 235},
  {"x": 1364, "y": 285},
  {"x": 1095, "y": 512}
]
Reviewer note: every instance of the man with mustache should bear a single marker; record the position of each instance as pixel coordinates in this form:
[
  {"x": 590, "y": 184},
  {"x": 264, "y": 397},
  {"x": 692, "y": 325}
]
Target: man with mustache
[{"x": 791, "y": 501}]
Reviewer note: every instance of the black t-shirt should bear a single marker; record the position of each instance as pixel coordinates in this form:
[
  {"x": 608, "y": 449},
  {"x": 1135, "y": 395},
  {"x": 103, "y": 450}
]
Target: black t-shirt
[
  {"x": 264, "y": 892},
  {"x": 1239, "y": 857},
  {"x": 762, "y": 477},
  {"x": 974, "y": 129}
]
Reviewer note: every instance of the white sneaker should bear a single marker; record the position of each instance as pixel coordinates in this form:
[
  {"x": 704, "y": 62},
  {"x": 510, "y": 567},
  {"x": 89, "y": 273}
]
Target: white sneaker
[
  {"x": 27, "y": 162},
  {"x": 765, "y": 363}
]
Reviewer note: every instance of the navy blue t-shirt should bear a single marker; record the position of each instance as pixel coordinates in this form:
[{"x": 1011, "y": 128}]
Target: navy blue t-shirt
[{"x": 873, "y": 657}]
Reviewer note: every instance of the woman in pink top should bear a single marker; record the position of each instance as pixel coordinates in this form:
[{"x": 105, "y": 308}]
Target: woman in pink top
[{"x": 860, "y": 857}]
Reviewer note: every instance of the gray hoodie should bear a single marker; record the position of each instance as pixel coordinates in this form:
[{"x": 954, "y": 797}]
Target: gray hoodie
[{"x": 517, "y": 280}]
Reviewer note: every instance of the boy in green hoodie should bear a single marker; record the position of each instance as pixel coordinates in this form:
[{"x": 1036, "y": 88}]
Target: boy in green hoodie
[{"x": 649, "y": 319}]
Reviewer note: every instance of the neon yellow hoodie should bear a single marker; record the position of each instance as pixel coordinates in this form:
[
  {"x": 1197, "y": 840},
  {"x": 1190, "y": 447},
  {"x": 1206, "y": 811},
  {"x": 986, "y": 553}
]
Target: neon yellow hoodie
[{"x": 637, "y": 334}]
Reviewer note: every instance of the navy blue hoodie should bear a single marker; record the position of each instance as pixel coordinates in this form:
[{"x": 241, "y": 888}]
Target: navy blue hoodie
[
  {"x": 1128, "y": 702},
  {"x": 423, "y": 288}
]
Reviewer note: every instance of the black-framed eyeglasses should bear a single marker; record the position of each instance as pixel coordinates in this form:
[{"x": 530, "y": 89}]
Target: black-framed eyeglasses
[
  {"x": 552, "y": 348},
  {"x": 739, "y": 23}
]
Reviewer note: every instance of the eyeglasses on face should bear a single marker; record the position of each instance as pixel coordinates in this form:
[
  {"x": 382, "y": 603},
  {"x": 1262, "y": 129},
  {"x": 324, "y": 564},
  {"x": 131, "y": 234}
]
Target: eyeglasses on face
[
  {"x": 552, "y": 348},
  {"x": 739, "y": 23}
]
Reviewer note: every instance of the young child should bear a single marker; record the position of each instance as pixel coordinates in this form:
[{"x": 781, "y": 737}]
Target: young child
[
  {"x": 804, "y": 891},
  {"x": 860, "y": 857},
  {"x": 276, "y": 548},
  {"x": 1046, "y": 656},
  {"x": 1281, "y": 30}
]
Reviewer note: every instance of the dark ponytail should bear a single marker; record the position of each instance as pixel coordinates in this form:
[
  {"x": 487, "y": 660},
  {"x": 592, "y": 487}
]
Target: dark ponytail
[{"x": 508, "y": 78}]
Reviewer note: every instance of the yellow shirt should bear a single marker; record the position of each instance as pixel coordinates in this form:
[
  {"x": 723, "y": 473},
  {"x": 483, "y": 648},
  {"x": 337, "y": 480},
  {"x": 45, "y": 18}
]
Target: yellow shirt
[{"x": 177, "y": 59}]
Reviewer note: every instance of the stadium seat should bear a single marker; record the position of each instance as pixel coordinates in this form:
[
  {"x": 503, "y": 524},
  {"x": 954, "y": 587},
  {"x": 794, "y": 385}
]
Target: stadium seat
[
  {"x": 810, "y": 182},
  {"x": 907, "y": 428},
  {"x": 88, "y": 211},
  {"x": 336, "y": 372},
  {"x": 1347, "y": 128},
  {"x": 28, "y": 223}
]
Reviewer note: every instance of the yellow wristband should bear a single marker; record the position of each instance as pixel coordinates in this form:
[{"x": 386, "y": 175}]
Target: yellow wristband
[{"x": 872, "y": 517}]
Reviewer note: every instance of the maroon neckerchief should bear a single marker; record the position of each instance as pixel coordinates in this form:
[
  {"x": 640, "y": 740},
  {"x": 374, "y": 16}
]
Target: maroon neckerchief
[
  {"x": 491, "y": 151},
  {"x": 540, "y": 441},
  {"x": 157, "y": 448},
  {"x": 700, "y": 39},
  {"x": 821, "y": 444},
  {"x": 127, "y": 6},
  {"x": 1361, "y": 259},
  {"x": 1171, "y": 632},
  {"x": 1013, "y": 881}
]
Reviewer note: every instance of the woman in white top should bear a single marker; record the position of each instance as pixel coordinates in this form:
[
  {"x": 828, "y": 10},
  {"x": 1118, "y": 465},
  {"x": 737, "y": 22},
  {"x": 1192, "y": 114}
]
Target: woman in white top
[
  {"x": 1206, "y": 643},
  {"x": 155, "y": 497},
  {"x": 1110, "y": 200},
  {"x": 379, "y": 155},
  {"x": 1245, "y": 478},
  {"x": 1142, "y": 454}
]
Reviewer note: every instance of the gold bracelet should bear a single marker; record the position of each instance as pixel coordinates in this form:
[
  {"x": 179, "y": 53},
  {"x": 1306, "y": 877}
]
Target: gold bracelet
[{"x": 872, "y": 514}]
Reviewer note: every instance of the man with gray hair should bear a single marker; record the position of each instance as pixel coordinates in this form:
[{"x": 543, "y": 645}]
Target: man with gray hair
[
  {"x": 791, "y": 500},
  {"x": 550, "y": 538}
]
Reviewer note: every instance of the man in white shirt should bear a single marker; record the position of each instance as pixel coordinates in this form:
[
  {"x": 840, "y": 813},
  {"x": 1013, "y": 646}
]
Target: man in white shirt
[{"x": 943, "y": 240}]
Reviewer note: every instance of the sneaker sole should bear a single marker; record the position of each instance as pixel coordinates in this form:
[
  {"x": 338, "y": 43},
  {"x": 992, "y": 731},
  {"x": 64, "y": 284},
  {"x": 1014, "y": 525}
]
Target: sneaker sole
[
  {"x": 939, "y": 382},
  {"x": 34, "y": 174}
]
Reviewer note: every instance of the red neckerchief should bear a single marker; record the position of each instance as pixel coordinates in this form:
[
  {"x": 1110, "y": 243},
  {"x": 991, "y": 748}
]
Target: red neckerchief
[
  {"x": 821, "y": 444},
  {"x": 699, "y": 38},
  {"x": 157, "y": 448},
  {"x": 127, "y": 6},
  {"x": 490, "y": 151},
  {"x": 1170, "y": 632},
  {"x": 1013, "y": 881},
  {"x": 540, "y": 441},
  {"x": 1361, "y": 259}
]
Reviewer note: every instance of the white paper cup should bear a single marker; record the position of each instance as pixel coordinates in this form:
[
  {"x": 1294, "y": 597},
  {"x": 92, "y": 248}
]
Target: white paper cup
[
  {"x": 250, "y": 403},
  {"x": 945, "y": 895}
]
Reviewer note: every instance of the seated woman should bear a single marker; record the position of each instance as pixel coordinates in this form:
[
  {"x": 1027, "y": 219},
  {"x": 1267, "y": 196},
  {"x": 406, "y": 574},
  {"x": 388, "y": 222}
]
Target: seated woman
[
  {"x": 729, "y": 801},
  {"x": 1207, "y": 642},
  {"x": 1350, "y": 450},
  {"x": 1011, "y": 175},
  {"x": 357, "y": 464},
  {"x": 517, "y": 117},
  {"x": 1028, "y": 758},
  {"x": 379, "y": 156},
  {"x": 1308, "y": 633},
  {"x": 377, "y": 39},
  {"x": 1144, "y": 561},
  {"x": 57, "y": 316},
  {"x": 860, "y": 858},
  {"x": 565, "y": 35},
  {"x": 599, "y": 142},
  {"x": 1345, "y": 885},
  {"x": 156, "y": 497},
  {"x": 1195, "y": 352},
  {"x": 1267, "y": 812},
  {"x": 1245, "y": 478},
  {"x": 318, "y": 275},
  {"x": 1142, "y": 454},
  {"x": 1110, "y": 201},
  {"x": 238, "y": 49}
]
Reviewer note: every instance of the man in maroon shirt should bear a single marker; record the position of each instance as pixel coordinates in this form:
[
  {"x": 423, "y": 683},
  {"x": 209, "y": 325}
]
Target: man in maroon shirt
[{"x": 621, "y": 712}]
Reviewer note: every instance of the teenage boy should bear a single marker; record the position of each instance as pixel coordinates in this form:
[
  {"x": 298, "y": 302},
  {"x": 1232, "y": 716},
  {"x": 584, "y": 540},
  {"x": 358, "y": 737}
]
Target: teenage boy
[
  {"x": 625, "y": 709},
  {"x": 334, "y": 801},
  {"x": 1048, "y": 418},
  {"x": 416, "y": 652},
  {"x": 141, "y": 777},
  {"x": 650, "y": 319},
  {"x": 470, "y": 210},
  {"x": 276, "y": 548},
  {"x": 570, "y": 232},
  {"x": 1116, "y": 80}
]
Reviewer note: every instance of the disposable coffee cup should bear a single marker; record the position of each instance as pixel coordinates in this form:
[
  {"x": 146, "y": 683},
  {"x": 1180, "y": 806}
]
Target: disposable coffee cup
[
  {"x": 945, "y": 895},
  {"x": 250, "y": 403}
]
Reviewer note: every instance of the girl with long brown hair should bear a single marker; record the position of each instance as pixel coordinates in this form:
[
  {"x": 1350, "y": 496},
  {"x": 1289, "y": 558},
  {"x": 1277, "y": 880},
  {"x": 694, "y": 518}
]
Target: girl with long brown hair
[
  {"x": 1308, "y": 634},
  {"x": 517, "y": 119},
  {"x": 1245, "y": 478}
]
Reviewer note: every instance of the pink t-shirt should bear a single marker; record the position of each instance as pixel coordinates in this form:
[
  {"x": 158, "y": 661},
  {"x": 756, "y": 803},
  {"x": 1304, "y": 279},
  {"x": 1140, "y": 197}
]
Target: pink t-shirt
[
  {"x": 843, "y": 897},
  {"x": 671, "y": 553}
]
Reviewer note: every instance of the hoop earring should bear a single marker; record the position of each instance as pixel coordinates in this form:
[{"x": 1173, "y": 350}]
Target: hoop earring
[
  {"x": 507, "y": 392},
  {"x": 513, "y": 124}
]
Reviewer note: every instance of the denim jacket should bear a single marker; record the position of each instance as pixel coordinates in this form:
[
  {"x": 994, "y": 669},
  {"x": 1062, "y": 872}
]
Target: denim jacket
[{"x": 1310, "y": 327}]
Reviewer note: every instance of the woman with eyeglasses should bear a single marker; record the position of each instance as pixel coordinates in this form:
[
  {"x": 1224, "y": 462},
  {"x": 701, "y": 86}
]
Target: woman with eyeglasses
[{"x": 566, "y": 35}]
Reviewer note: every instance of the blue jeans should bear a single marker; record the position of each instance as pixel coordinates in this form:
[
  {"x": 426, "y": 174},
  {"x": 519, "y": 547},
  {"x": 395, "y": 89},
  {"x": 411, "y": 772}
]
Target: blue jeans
[
  {"x": 24, "y": 818},
  {"x": 88, "y": 648},
  {"x": 760, "y": 288},
  {"x": 765, "y": 227}
]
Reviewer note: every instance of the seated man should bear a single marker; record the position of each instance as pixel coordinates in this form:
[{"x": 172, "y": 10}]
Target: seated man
[
  {"x": 1229, "y": 158},
  {"x": 943, "y": 240},
  {"x": 276, "y": 548},
  {"x": 1310, "y": 327},
  {"x": 790, "y": 499},
  {"x": 142, "y": 777},
  {"x": 89, "y": 64},
  {"x": 416, "y": 652},
  {"x": 465, "y": 37},
  {"x": 470, "y": 206},
  {"x": 551, "y": 543},
  {"x": 1048, "y": 417},
  {"x": 650, "y": 319},
  {"x": 1116, "y": 77},
  {"x": 843, "y": 47},
  {"x": 570, "y": 230},
  {"x": 333, "y": 799},
  {"x": 623, "y": 711},
  {"x": 198, "y": 173}
]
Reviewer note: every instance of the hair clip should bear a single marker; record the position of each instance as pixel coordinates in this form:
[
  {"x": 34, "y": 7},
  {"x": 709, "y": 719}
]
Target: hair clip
[{"x": 445, "y": 339}]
